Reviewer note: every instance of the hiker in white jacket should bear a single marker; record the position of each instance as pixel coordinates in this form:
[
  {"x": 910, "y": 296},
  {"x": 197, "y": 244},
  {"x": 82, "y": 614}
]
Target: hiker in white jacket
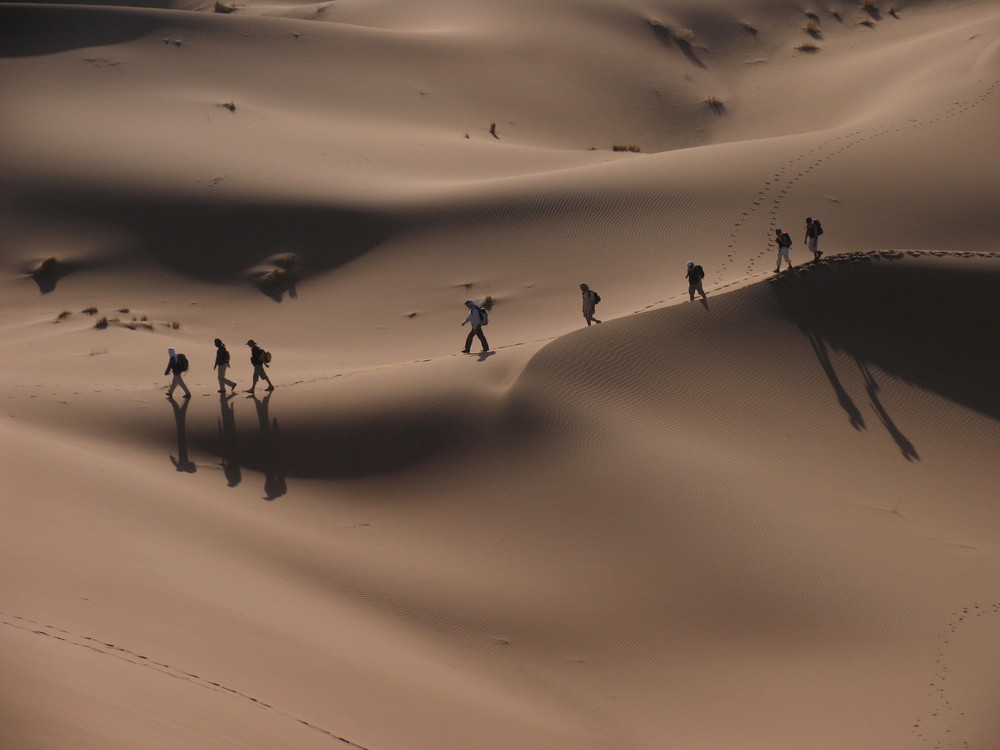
[
  {"x": 177, "y": 366},
  {"x": 477, "y": 319}
]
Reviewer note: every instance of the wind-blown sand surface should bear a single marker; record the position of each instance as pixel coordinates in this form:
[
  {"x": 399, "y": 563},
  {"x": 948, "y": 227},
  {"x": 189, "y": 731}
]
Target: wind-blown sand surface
[{"x": 764, "y": 522}]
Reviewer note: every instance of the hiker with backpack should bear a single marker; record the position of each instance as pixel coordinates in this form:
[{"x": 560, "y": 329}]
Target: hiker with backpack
[
  {"x": 813, "y": 230},
  {"x": 178, "y": 365},
  {"x": 784, "y": 241},
  {"x": 259, "y": 359},
  {"x": 222, "y": 364},
  {"x": 694, "y": 276},
  {"x": 590, "y": 300},
  {"x": 478, "y": 317}
]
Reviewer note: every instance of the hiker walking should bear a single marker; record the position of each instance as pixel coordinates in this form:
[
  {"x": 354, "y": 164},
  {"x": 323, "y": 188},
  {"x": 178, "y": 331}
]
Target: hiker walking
[
  {"x": 813, "y": 230},
  {"x": 590, "y": 300},
  {"x": 222, "y": 364},
  {"x": 259, "y": 359},
  {"x": 477, "y": 319},
  {"x": 694, "y": 276},
  {"x": 784, "y": 241},
  {"x": 177, "y": 364}
]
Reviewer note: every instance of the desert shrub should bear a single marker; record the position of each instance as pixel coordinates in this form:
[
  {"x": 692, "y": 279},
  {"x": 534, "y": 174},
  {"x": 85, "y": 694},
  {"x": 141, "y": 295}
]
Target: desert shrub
[
  {"x": 101, "y": 324},
  {"x": 716, "y": 105},
  {"x": 90, "y": 310},
  {"x": 230, "y": 105},
  {"x": 813, "y": 30},
  {"x": 633, "y": 149},
  {"x": 808, "y": 47},
  {"x": 174, "y": 324},
  {"x": 684, "y": 36},
  {"x": 749, "y": 28},
  {"x": 64, "y": 314},
  {"x": 812, "y": 16},
  {"x": 123, "y": 310}
]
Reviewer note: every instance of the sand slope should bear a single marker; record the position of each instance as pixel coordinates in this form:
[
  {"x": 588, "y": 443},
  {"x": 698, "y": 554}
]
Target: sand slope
[{"x": 768, "y": 521}]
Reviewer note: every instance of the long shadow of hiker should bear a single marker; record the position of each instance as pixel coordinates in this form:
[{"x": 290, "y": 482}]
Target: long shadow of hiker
[
  {"x": 908, "y": 449},
  {"x": 228, "y": 452},
  {"x": 182, "y": 462},
  {"x": 274, "y": 475},
  {"x": 845, "y": 401}
]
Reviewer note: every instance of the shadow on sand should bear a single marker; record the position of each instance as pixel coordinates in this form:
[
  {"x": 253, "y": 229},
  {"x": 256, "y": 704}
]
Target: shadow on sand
[{"x": 933, "y": 324}]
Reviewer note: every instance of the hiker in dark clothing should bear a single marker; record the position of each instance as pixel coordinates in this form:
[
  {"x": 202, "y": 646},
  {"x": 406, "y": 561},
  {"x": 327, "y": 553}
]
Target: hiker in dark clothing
[
  {"x": 694, "y": 276},
  {"x": 590, "y": 300},
  {"x": 784, "y": 242},
  {"x": 477, "y": 319},
  {"x": 813, "y": 231},
  {"x": 222, "y": 364},
  {"x": 258, "y": 358},
  {"x": 177, "y": 365}
]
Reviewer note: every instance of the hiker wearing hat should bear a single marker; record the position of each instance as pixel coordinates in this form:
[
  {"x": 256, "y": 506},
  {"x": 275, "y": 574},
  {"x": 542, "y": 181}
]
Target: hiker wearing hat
[
  {"x": 177, "y": 364},
  {"x": 694, "y": 276},
  {"x": 222, "y": 364},
  {"x": 477, "y": 319},
  {"x": 784, "y": 241},
  {"x": 259, "y": 359},
  {"x": 590, "y": 300}
]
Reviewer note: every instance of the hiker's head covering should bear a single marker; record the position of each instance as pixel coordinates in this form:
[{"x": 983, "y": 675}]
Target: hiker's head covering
[
  {"x": 690, "y": 264},
  {"x": 777, "y": 231},
  {"x": 808, "y": 220},
  {"x": 469, "y": 303},
  {"x": 218, "y": 342},
  {"x": 251, "y": 342},
  {"x": 584, "y": 286},
  {"x": 170, "y": 351}
]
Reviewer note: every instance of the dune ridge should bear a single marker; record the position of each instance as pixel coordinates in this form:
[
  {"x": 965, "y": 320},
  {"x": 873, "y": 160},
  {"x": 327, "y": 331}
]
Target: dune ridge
[{"x": 767, "y": 520}]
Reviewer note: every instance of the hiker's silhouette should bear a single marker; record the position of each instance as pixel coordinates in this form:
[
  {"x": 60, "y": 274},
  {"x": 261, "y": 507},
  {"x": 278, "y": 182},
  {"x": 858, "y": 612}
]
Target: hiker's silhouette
[
  {"x": 228, "y": 452},
  {"x": 182, "y": 462},
  {"x": 274, "y": 474}
]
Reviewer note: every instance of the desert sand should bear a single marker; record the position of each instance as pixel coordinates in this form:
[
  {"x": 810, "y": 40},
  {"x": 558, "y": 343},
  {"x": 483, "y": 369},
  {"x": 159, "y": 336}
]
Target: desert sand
[{"x": 766, "y": 521}]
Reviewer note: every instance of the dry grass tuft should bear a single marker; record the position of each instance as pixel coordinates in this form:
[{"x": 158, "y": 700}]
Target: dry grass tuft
[
  {"x": 749, "y": 28},
  {"x": 222, "y": 8},
  {"x": 230, "y": 105},
  {"x": 867, "y": 22},
  {"x": 633, "y": 149},
  {"x": 64, "y": 314},
  {"x": 837, "y": 16},
  {"x": 716, "y": 105},
  {"x": 90, "y": 311},
  {"x": 101, "y": 324},
  {"x": 123, "y": 310},
  {"x": 812, "y": 16},
  {"x": 808, "y": 47},
  {"x": 684, "y": 36},
  {"x": 174, "y": 324},
  {"x": 813, "y": 30}
]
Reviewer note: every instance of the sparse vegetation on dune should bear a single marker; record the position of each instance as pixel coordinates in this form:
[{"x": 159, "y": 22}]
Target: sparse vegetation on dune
[
  {"x": 90, "y": 310},
  {"x": 749, "y": 28},
  {"x": 813, "y": 30},
  {"x": 808, "y": 47},
  {"x": 223, "y": 8},
  {"x": 716, "y": 105},
  {"x": 633, "y": 149}
]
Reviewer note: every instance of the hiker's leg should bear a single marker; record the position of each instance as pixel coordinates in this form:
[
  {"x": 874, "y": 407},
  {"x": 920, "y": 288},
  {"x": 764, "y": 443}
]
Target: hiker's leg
[
  {"x": 482, "y": 339},
  {"x": 468, "y": 339}
]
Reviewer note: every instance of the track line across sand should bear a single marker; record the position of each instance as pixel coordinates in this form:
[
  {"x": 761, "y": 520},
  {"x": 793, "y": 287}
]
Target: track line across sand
[
  {"x": 124, "y": 654},
  {"x": 775, "y": 189}
]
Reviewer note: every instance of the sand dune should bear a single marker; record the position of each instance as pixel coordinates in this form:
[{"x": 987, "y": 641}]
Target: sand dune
[{"x": 764, "y": 521}]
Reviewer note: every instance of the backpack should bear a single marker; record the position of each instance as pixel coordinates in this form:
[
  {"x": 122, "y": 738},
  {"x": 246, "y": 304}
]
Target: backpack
[
  {"x": 697, "y": 274},
  {"x": 484, "y": 316},
  {"x": 819, "y": 227},
  {"x": 597, "y": 297},
  {"x": 265, "y": 358},
  {"x": 784, "y": 239},
  {"x": 180, "y": 363}
]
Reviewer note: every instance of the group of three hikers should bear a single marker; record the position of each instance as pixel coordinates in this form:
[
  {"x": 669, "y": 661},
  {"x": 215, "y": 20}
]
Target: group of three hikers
[{"x": 178, "y": 365}]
